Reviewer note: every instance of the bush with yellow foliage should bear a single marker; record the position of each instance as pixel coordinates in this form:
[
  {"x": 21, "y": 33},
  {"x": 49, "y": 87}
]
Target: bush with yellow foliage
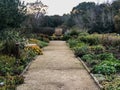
[{"x": 35, "y": 48}]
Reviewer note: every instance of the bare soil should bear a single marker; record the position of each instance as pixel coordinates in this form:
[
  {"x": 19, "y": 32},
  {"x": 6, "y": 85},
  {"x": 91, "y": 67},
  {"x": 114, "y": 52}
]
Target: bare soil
[{"x": 57, "y": 69}]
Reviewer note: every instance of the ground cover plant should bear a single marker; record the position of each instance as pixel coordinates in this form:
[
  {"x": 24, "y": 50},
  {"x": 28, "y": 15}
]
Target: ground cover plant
[
  {"x": 100, "y": 52},
  {"x": 16, "y": 52}
]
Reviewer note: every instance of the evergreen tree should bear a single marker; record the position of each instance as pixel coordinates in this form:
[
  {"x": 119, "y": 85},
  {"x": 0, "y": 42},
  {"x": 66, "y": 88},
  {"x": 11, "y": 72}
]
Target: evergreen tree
[{"x": 12, "y": 13}]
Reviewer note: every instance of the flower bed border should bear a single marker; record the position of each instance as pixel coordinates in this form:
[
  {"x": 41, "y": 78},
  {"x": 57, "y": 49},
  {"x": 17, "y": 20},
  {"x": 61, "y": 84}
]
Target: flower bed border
[
  {"x": 92, "y": 75},
  {"x": 27, "y": 67},
  {"x": 88, "y": 70}
]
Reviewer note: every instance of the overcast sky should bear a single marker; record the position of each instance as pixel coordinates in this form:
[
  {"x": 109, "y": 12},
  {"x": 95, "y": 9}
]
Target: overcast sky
[{"x": 59, "y": 7}]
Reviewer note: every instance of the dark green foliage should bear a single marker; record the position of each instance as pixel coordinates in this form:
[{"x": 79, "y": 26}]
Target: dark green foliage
[
  {"x": 91, "y": 59},
  {"x": 106, "y": 56},
  {"x": 74, "y": 33},
  {"x": 7, "y": 65},
  {"x": 96, "y": 17},
  {"x": 51, "y": 21},
  {"x": 43, "y": 44},
  {"x": 72, "y": 43},
  {"x": 97, "y": 49},
  {"x": 12, "y": 13},
  {"x": 107, "y": 67},
  {"x": 88, "y": 57},
  {"x": 66, "y": 37},
  {"x": 45, "y": 30},
  {"x": 80, "y": 51},
  {"x": 89, "y": 39},
  {"x": 104, "y": 69},
  {"x": 10, "y": 38}
]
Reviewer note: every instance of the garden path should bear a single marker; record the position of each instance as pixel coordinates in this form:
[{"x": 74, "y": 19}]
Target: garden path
[{"x": 57, "y": 69}]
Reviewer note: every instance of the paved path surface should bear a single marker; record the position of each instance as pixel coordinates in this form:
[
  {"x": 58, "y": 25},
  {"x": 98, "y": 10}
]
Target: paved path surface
[{"x": 57, "y": 69}]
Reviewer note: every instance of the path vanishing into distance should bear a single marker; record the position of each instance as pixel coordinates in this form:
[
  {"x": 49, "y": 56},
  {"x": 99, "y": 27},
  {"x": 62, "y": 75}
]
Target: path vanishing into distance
[{"x": 57, "y": 69}]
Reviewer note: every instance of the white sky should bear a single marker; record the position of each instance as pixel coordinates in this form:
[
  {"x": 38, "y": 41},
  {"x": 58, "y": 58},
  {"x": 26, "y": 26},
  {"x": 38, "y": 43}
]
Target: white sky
[{"x": 60, "y": 7}]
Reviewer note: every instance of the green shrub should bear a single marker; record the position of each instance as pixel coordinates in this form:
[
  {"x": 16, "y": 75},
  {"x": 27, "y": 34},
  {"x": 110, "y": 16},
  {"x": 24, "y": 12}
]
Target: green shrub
[
  {"x": 9, "y": 47},
  {"x": 90, "y": 39},
  {"x": 9, "y": 39},
  {"x": 7, "y": 64},
  {"x": 18, "y": 69},
  {"x": 80, "y": 51},
  {"x": 106, "y": 56},
  {"x": 66, "y": 37},
  {"x": 97, "y": 49},
  {"x": 43, "y": 44},
  {"x": 74, "y": 33},
  {"x": 83, "y": 34},
  {"x": 107, "y": 67},
  {"x": 81, "y": 44},
  {"x": 46, "y": 39},
  {"x": 19, "y": 80},
  {"x": 90, "y": 59},
  {"x": 104, "y": 69},
  {"x": 72, "y": 43}
]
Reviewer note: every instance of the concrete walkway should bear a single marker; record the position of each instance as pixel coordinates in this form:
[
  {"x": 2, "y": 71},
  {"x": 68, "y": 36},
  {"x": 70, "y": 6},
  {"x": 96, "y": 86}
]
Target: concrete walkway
[{"x": 57, "y": 69}]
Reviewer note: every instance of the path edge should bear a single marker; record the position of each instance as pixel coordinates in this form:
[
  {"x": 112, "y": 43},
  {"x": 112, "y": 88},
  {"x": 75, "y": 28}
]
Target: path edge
[
  {"x": 88, "y": 70},
  {"x": 92, "y": 75},
  {"x": 27, "y": 67}
]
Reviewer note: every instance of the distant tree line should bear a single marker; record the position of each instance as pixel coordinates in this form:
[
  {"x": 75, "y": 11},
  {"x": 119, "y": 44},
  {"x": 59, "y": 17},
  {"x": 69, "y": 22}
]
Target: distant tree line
[{"x": 100, "y": 18}]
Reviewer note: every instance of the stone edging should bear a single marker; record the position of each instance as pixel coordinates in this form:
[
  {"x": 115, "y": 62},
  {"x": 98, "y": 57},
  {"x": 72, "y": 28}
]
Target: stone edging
[
  {"x": 88, "y": 70},
  {"x": 27, "y": 67}
]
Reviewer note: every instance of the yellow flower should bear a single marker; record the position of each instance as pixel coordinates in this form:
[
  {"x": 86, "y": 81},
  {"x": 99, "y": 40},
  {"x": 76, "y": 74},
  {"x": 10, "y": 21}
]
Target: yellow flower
[{"x": 35, "y": 48}]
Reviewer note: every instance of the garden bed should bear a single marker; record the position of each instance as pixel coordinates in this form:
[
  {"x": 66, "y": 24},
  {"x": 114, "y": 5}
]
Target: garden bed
[
  {"x": 15, "y": 58},
  {"x": 100, "y": 53}
]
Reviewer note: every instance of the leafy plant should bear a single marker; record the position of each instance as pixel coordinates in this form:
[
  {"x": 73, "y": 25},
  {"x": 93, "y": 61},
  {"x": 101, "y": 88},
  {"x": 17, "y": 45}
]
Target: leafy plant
[
  {"x": 104, "y": 69},
  {"x": 7, "y": 64},
  {"x": 74, "y": 33},
  {"x": 72, "y": 43},
  {"x": 80, "y": 51},
  {"x": 66, "y": 37},
  {"x": 90, "y": 59},
  {"x": 97, "y": 49},
  {"x": 107, "y": 67},
  {"x": 106, "y": 56},
  {"x": 89, "y": 39}
]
